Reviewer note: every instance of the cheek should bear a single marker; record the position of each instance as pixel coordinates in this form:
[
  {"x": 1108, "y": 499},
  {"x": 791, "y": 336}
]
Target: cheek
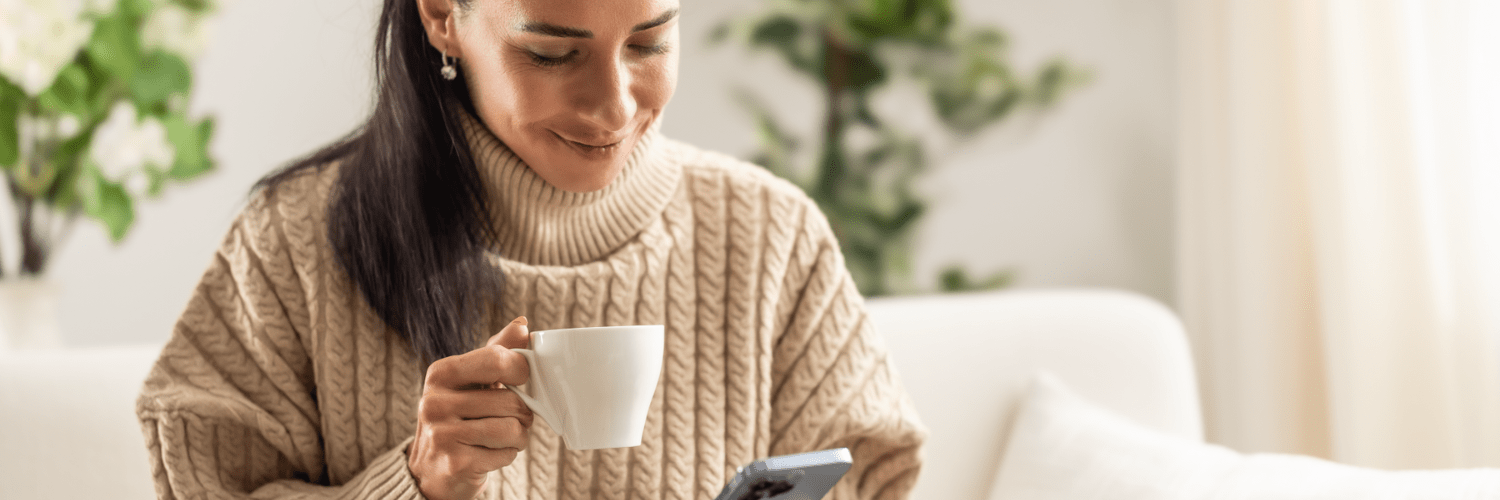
[
  {"x": 656, "y": 83},
  {"x": 533, "y": 97},
  {"x": 504, "y": 88}
]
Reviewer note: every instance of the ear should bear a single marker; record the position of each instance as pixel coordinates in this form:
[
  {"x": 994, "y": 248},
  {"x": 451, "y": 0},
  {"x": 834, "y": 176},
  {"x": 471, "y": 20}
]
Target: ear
[{"x": 438, "y": 17}]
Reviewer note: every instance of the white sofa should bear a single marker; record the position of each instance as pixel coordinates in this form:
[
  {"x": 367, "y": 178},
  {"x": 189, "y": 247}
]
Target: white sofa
[
  {"x": 67, "y": 427},
  {"x": 967, "y": 361}
]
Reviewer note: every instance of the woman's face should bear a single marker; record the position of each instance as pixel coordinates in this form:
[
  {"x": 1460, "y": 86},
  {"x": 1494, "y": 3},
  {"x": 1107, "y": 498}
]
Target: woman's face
[{"x": 569, "y": 85}]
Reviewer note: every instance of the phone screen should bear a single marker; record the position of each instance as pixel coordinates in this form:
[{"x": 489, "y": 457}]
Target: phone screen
[{"x": 803, "y": 476}]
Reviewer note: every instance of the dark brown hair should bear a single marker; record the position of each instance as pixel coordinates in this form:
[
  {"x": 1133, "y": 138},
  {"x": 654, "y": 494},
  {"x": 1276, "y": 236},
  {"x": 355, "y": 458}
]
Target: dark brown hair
[{"x": 407, "y": 217}]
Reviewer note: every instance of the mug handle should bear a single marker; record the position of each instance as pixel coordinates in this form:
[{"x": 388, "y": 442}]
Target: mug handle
[{"x": 537, "y": 405}]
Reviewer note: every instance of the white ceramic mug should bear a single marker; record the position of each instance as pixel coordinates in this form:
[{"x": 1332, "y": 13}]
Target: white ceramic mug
[{"x": 593, "y": 386}]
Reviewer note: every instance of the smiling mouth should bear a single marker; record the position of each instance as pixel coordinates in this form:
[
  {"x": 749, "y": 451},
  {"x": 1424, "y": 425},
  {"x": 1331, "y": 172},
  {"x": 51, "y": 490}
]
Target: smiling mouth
[{"x": 586, "y": 146}]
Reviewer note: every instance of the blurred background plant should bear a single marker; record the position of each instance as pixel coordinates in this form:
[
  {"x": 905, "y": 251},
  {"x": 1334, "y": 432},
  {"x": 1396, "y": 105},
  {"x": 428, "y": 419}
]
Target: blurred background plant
[
  {"x": 93, "y": 113},
  {"x": 864, "y": 172}
]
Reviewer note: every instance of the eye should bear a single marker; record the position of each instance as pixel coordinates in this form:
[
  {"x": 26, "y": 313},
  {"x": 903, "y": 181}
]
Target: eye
[
  {"x": 548, "y": 61},
  {"x": 652, "y": 50}
]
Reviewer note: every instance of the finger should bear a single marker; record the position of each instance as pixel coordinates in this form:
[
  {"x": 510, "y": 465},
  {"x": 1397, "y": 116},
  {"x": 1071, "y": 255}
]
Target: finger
[
  {"x": 484, "y": 433},
  {"x": 449, "y": 405},
  {"x": 484, "y": 460},
  {"x": 483, "y": 367},
  {"x": 516, "y": 335}
]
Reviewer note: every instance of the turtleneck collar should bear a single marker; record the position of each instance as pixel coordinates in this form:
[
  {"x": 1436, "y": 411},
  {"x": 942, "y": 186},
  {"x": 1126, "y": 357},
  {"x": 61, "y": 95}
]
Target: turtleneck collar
[{"x": 539, "y": 224}]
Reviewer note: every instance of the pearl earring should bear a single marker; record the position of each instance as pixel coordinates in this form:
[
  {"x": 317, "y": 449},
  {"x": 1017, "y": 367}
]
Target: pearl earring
[{"x": 449, "y": 71}]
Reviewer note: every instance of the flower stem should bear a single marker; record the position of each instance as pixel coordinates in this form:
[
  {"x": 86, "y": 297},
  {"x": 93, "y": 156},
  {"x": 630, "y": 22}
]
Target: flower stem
[{"x": 34, "y": 251}]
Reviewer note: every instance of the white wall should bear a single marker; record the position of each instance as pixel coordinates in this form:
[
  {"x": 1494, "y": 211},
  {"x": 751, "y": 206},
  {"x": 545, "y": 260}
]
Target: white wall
[
  {"x": 1086, "y": 199},
  {"x": 1079, "y": 198}
]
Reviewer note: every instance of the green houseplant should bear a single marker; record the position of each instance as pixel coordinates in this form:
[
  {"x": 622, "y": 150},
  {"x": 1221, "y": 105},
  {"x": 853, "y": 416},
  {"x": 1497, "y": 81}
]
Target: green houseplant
[
  {"x": 93, "y": 113},
  {"x": 851, "y": 49}
]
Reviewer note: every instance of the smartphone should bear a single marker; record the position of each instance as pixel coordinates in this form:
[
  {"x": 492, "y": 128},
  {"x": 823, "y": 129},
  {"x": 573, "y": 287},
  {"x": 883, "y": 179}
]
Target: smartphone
[{"x": 804, "y": 476}]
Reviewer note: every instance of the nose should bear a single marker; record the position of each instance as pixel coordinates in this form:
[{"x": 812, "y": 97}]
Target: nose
[{"x": 604, "y": 98}]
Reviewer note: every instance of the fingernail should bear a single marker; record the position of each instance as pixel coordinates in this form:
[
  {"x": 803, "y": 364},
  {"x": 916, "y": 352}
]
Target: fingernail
[{"x": 520, "y": 320}]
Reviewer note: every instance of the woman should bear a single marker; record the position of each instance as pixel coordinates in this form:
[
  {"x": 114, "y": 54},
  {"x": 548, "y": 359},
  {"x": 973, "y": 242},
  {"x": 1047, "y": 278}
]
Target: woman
[{"x": 512, "y": 168}]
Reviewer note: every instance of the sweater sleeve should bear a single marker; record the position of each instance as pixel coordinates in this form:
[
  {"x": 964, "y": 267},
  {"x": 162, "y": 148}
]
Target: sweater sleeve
[
  {"x": 229, "y": 410},
  {"x": 833, "y": 380}
]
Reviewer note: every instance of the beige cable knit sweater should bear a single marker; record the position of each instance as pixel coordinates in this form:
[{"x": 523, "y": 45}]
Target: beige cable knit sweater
[{"x": 280, "y": 381}]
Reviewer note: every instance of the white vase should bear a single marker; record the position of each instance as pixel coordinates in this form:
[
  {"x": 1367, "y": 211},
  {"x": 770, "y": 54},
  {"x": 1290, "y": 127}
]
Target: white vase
[{"x": 28, "y": 314}]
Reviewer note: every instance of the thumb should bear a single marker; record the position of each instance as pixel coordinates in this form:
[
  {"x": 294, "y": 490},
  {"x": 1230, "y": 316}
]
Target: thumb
[{"x": 514, "y": 336}]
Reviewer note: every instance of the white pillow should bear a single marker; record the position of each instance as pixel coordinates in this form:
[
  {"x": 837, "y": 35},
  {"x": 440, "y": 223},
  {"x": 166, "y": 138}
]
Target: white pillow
[{"x": 1064, "y": 447}]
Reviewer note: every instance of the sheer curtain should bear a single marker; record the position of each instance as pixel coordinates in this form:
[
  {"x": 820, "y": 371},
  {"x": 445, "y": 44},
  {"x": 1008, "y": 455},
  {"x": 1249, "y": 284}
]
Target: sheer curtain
[{"x": 1339, "y": 226}]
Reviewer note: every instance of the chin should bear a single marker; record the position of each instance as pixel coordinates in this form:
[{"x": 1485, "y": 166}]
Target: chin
[
  {"x": 576, "y": 172},
  {"x": 586, "y": 186},
  {"x": 585, "y": 178}
]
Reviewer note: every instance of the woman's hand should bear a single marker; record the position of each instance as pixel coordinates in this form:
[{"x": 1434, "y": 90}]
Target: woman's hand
[{"x": 467, "y": 423}]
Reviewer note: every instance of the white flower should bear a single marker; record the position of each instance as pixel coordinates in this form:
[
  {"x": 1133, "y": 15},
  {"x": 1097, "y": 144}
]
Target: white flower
[
  {"x": 67, "y": 126},
  {"x": 123, "y": 145},
  {"x": 39, "y": 37},
  {"x": 100, "y": 6},
  {"x": 137, "y": 183},
  {"x": 174, "y": 29}
]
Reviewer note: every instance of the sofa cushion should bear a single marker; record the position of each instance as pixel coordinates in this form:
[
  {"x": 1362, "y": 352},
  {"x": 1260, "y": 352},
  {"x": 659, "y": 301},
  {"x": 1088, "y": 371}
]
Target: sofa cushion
[{"x": 1065, "y": 447}]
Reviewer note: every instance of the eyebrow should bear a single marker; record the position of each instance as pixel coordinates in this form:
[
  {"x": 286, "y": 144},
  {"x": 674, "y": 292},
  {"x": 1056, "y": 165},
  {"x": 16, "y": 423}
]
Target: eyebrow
[
  {"x": 660, "y": 20},
  {"x": 566, "y": 32}
]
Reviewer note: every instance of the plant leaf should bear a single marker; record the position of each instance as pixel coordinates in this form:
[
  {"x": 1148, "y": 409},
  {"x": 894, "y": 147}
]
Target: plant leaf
[
  {"x": 115, "y": 46},
  {"x": 160, "y": 75},
  {"x": 191, "y": 143},
  {"x": 136, "y": 8},
  {"x": 156, "y": 179},
  {"x": 10, "y": 109},
  {"x": 903, "y": 20},
  {"x": 1057, "y": 78},
  {"x": 775, "y": 31},
  {"x": 955, "y": 278},
  {"x": 720, "y": 33},
  {"x": 66, "y": 161},
  {"x": 108, "y": 203},
  {"x": 865, "y": 71},
  {"x": 196, "y": 6},
  {"x": 63, "y": 193},
  {"x": 783, "y": 34},
  {"x": 69, "y": 93}
]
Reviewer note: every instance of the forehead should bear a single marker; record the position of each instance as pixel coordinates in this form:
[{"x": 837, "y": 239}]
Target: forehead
[{"x": 584, "y": 14}]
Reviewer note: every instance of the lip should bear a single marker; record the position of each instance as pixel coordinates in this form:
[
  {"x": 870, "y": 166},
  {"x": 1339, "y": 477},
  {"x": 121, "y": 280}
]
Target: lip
[
  {"x": 589, "y": 150},
  {"x": 596, "y": 143}
]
